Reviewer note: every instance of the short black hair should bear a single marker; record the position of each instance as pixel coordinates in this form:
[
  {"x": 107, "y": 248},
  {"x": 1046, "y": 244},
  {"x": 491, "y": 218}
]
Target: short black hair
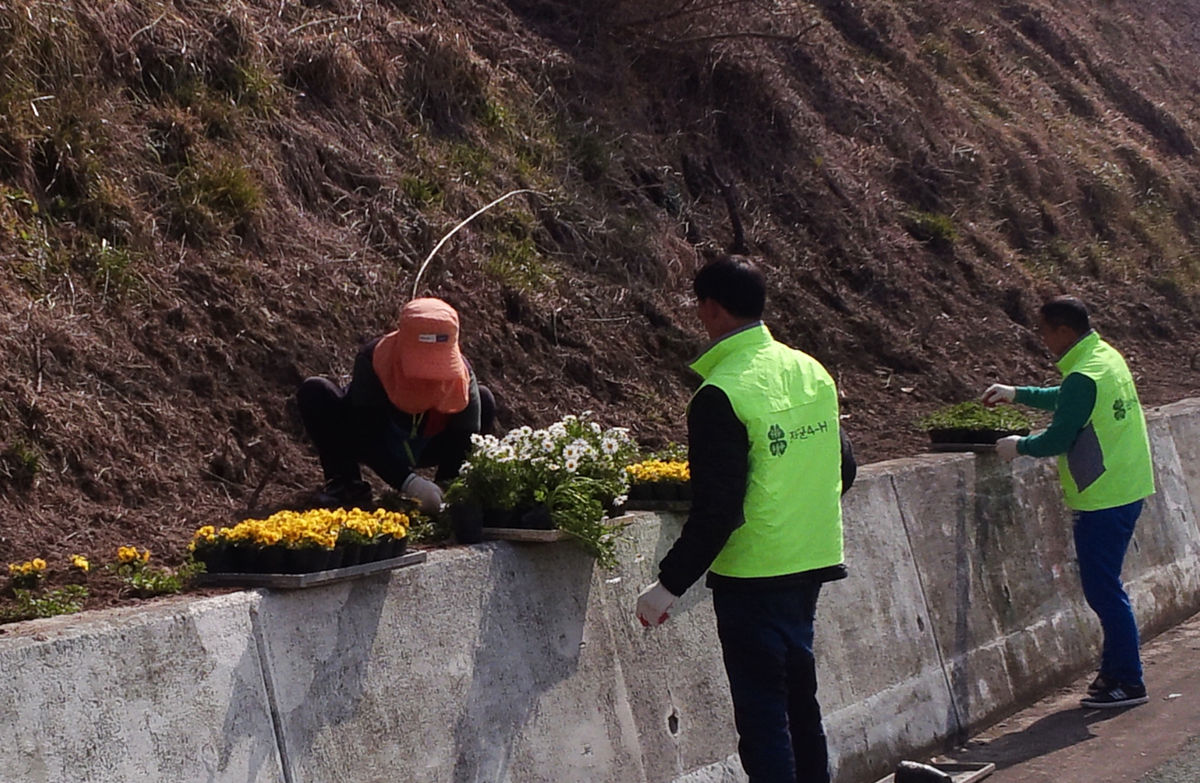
[
  {"x": 1066, "y": 311},
  {"x": 735, "y": 283}
]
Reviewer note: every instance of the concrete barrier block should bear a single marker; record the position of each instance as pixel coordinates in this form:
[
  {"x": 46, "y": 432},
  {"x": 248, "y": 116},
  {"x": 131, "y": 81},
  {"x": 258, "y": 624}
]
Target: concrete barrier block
[
  {"x": 568, "y": 700},
  {"x": 728, "y": 771},
  {"x": 169, "y": 692},
  {"x": 372, "y": 675},
  {"x": 492, "y": 663},
  {"x": 987, "y": 562},
  {"x": 1162, "y": 567},
  {"x": 674, "y": 673},
  {"x": 881, "y": 684},
  {"x": 1184, "y": 418}
]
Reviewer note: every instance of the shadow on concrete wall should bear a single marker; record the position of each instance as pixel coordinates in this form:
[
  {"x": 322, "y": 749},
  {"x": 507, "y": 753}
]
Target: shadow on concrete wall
[
  {"x": 337, "y": 684},
  {"x": 336, "y": 687},
  {"x": 529, "y": 641},
  {"x": 244, "y": 718}
]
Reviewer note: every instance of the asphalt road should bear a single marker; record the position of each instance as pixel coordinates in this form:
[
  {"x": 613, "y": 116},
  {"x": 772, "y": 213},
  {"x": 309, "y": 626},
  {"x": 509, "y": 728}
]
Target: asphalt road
[{"x": 1056, "y": 741}]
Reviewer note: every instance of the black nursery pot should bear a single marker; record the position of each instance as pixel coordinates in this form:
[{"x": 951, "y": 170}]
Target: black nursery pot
[
  {"x": 466, "y": 519},
  {"x": 216, "y": 559},
  {"x": 269, "y": 560},
  {"x": 665, "y": 490},
  {"x": 969, "y": 436},
  {"x": 305, "y": 560},
  {"x": 640, "y": 491},
  {"x": 537, "y": 518},
  {"x": 352, "y": 555}
]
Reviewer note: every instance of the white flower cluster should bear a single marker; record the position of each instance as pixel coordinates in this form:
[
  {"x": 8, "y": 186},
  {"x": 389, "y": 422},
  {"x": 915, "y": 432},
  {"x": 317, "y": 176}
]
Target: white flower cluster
[{"x": 571, "y": 444}]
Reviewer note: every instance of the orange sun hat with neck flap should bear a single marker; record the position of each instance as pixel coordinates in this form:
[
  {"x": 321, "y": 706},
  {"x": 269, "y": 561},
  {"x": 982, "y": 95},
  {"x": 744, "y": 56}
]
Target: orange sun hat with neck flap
[{"x": 420, "y": 364}]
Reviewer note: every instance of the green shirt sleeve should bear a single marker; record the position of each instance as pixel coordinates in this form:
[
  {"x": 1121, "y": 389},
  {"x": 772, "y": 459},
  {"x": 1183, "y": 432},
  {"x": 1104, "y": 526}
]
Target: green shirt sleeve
[
  {"x": 1044, "y": 398},
  {"x": 1074, "y": 401}
]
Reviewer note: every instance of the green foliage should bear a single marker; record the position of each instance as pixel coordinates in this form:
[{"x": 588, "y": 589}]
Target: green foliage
[
  {"x": 937, "y": 230},
  {"x": 30, "y": 605},
  {"x": 491, "y": 114},
  {"x": 574, "y": 467},
  {"x": 468, "y": 164},
  {"x": 420, "y": 192},
  {"x": 590, "y": 153},
  {"x": 110, "y": 268},
  {"x": 209, "y": 196},
  {"x": 938, "y": 52},
  {"x": 251, "y": 85},
  {"x": 672, "y": 452},
  {"x": 429, "y": 530},
  {"x": 972, "y": 415},
  {"x": 517, "y": 263},
  {"x": 575, "y": 508},
  {"x": 20, "y": 464},
  {"x": 349, "y": 537},
  {"x": 146, "y": 581}
]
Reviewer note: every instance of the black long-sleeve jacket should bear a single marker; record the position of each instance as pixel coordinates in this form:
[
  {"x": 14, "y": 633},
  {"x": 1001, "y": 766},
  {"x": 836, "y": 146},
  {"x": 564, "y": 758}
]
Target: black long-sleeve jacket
[
  {"x": 718, "y": 457},
  {"x": 393, "y": 440}
]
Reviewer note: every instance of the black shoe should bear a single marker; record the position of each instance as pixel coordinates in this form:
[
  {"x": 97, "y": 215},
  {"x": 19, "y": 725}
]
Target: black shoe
[
  {"x": 1102, "y": 683},
  {"x": 345, "y": 493},
  {"x": 1117, "y": 696}
]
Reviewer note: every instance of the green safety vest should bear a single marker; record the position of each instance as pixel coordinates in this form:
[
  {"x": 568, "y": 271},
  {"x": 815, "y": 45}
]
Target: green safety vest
[
  {"x": 1109, "y": 463},
  {"x": 789, "y": 405}
]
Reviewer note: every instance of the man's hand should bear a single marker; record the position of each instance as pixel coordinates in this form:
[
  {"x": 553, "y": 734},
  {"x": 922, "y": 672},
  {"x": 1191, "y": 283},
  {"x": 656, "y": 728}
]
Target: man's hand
[
  {"x": 428, "y": 496},
  {"x": 1007, "y": 447},
  {"x": 653, "y": 603},
  {"x": 998, "y": 393}
]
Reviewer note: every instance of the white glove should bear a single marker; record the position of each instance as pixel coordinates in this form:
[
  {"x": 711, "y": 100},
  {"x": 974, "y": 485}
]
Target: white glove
[
  {"x": 998, "y": 393},
  {"x": 427, "y": 494},
  {"x": 653, "y": 603},
  {"x": 1007, "y": 447}
]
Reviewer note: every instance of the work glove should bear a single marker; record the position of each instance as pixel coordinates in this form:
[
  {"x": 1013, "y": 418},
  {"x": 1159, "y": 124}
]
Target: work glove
[
  {"x": 998, "y": 393},
  {"x": 653, "y": 603},
  {"x": 426, "y": 494},
  {"x": 1007, "y": 447}
]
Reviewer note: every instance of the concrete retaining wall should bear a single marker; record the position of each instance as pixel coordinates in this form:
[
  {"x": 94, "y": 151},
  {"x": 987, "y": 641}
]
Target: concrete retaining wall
[{"x": 505, "y": 662}]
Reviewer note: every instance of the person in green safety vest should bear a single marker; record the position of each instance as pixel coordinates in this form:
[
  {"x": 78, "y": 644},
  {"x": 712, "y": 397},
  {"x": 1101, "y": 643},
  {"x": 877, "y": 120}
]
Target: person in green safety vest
[
  {"x": 1099, "y": 435},
  {"x": 768, "y": 462}
]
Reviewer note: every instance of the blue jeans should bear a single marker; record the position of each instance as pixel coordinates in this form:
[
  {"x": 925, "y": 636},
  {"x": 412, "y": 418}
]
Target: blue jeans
[
  {"x": 767, "y": 642},
  {"x": 1101, "y": 538}
]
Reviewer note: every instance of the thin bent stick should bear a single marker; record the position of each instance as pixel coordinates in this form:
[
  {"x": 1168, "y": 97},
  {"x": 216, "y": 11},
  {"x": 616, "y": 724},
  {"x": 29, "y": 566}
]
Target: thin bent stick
[{"x": 453, "y": 231}]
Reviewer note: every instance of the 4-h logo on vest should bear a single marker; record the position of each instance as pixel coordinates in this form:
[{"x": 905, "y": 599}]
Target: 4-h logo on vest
[
  {"x": 778, "y": 440},
  {"x": 1119, "y": 409}
]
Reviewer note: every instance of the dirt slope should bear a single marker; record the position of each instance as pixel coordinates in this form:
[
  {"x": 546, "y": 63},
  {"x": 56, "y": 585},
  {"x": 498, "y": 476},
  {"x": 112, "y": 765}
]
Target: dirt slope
[{"x": 202, "y": 205}]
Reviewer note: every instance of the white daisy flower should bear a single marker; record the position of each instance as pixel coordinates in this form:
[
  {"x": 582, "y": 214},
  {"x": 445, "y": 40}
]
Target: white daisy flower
[
  {"x": 609, "y": 446},
  {"x": 571, "y": 465}
]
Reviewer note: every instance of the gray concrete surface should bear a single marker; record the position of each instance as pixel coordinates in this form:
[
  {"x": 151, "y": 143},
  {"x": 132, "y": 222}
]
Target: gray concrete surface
[
  {"x": 172, "y": 692},
  {"x": 516, "y": 663},
  {"x": 1056, "y": 741}
]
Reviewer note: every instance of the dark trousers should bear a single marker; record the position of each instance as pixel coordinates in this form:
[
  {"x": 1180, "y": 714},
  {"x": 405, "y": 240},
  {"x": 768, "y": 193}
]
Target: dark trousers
[
  {"x": 1101, "y": 539},
  {"x": 767, "y": 642},
  {"x": 344, "y": 443}
]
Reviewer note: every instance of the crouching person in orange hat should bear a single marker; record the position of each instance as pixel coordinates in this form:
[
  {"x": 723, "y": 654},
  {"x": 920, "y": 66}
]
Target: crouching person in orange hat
[{"x": 412, "y": 402}]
